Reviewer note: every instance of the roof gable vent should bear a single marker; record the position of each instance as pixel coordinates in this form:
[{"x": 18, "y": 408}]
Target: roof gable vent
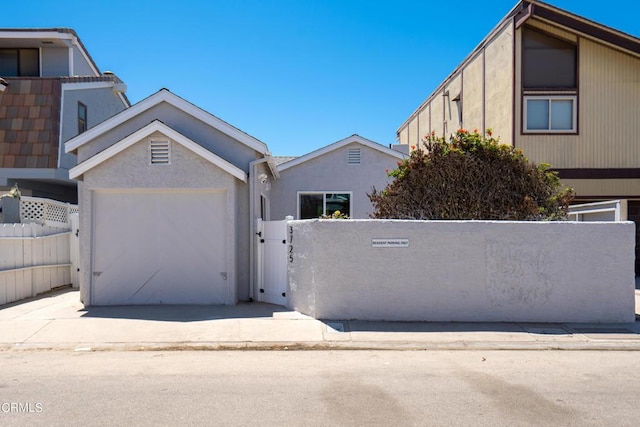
[
  {"x": 353, "y": 156},
  {"x": 160, "y": 152}
]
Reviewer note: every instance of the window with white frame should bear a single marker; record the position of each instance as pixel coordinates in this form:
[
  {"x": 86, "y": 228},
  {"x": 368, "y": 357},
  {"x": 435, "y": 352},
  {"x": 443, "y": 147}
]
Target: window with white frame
[
  {"x": 314, "y": 204},
  {"x": 554, "y": 113}
]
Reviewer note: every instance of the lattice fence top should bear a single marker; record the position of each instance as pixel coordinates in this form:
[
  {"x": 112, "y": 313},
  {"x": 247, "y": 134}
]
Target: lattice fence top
[{"x": 46, "y": 211}]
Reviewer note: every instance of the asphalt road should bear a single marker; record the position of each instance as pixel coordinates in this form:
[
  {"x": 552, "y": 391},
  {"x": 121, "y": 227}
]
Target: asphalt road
[{"x": 320, "y": 388}]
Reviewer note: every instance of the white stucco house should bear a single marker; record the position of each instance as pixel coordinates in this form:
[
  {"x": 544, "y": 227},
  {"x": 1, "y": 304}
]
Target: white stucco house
[
  {"x": 170, "y": 195},
  {"x": 335, "y": 177}
]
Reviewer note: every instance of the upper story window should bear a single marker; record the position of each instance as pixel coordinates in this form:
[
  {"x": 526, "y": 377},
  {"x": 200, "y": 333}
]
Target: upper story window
[
  {"x": 82, "y": 117},
  {"x": 548, "y": 62},
  {"x": 19, "y": 62},
  {"x": 549, "y": 83}
]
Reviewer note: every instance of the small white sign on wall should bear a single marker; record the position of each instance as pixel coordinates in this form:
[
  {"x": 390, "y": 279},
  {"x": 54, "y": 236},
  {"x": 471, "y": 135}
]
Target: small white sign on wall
[{"x": 390, "y": 243}]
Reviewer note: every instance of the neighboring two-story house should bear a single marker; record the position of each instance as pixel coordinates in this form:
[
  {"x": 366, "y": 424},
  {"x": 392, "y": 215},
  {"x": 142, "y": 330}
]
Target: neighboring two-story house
[
  {"x": 50, "y": 91},
  {"x": 560, "y": 87}
]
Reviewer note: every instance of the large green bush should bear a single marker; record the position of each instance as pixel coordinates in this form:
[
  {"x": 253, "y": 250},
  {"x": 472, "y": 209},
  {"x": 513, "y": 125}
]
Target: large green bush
[{"x": 471, "y": 176}]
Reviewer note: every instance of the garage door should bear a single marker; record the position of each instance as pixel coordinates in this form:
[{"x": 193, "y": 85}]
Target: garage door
[{"x": 160, "y": 247}]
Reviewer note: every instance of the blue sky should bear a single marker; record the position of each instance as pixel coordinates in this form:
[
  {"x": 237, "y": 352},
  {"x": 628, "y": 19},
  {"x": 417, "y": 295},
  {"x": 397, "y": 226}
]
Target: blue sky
[{"x": 297, "y": 75}]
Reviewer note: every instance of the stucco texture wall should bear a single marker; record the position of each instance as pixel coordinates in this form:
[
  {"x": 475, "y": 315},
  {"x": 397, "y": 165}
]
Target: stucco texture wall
[
  {"x": 331, "y": 173},
  {"x": 463, "y": 271}
]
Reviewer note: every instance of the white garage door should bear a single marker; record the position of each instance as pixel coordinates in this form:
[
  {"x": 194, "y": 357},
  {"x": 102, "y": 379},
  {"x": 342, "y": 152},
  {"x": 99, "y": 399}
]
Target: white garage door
[{"x": 160, "y": 247}]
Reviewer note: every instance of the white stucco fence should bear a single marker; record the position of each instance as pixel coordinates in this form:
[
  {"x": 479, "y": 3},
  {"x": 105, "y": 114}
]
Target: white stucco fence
[{"x": 475, "y": 271}]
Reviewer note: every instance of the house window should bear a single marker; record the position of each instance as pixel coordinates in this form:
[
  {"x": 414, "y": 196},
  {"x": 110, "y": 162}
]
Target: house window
[
  {"x": 82, "y": 117},
  {"x": 353, "y": 156},
  {"x": 19, "y": 62},
  {"x": 550, "y": 114},
  {"x": 316, "y": 204},
  {"x": 160, "y": 152},
  {"x": 549, "y": 83}
]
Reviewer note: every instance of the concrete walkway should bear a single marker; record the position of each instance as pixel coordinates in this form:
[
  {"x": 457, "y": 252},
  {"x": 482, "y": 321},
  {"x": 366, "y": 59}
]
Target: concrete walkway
[{"x": 58, "y": 321}]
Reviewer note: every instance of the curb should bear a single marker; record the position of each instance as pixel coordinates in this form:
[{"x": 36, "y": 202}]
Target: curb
[{"x": 321, "y": 346}]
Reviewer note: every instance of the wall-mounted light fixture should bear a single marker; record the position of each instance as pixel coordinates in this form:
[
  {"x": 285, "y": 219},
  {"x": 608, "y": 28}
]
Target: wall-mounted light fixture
[{"x": 3, "y": 84}]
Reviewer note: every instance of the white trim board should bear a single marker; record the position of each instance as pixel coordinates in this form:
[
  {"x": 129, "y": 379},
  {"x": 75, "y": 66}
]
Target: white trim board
[
  {"x": 148, "y": 130},
  {"x": 164, "y": 95}
]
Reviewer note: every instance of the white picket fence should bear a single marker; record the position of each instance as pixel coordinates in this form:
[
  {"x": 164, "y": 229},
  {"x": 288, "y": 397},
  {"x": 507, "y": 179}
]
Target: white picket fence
[{"x": 41, "y": 253}]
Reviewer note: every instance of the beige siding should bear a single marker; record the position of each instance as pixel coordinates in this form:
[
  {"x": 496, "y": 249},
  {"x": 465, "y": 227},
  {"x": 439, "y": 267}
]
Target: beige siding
[
  {"x": 423, "y": 119},
  {"x": 499, "y": 83},
  {"x": 403, "y": 135},
  {"x": 608, "y": 94},
  {"x": 413, "y": 131},
  {"x": 609, "y": 108},
  {"x": 472, "y": 101},
  {"x": 551, "y": 29},
  {"x": 609, "y": 188},
  {"x": 437, "y": 114}
]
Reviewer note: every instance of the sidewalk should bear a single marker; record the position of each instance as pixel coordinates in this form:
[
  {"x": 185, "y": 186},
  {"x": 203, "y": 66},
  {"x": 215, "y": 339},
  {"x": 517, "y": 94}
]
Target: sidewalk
[{"x": 58, "y": 321}]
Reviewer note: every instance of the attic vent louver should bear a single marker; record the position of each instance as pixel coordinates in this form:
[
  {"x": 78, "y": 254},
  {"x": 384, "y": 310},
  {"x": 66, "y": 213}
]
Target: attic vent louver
[
  {"x": 353, "y": 156},
  {"x": 160, "y": 152}
]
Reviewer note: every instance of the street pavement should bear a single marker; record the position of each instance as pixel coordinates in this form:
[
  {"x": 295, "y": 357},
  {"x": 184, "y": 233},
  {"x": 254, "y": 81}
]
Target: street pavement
[{"x": 58, "y": 321}]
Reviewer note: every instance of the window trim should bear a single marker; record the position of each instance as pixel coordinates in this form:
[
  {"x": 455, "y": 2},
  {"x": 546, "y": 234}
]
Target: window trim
[
  {"x": 574, "y": 119},
  {"x": 324, "y": 200},
  {"x": 83, "y": 123}
]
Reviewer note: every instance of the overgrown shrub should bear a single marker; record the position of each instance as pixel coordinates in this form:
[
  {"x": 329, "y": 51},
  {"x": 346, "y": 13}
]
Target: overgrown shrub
[{"x": 471, "y": 176}]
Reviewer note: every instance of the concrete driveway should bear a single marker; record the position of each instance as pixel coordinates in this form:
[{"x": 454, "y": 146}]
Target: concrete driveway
[{"x": 59, "y": 321}]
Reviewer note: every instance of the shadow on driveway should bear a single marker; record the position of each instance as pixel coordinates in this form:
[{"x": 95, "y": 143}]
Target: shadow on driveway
[{"x": 184, "y": 313}]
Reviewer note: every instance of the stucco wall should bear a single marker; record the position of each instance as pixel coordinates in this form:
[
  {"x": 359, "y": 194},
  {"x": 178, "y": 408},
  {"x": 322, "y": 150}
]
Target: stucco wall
[
  {"x": 463, "y": 271},
  {"x": 331, "y": 173}
]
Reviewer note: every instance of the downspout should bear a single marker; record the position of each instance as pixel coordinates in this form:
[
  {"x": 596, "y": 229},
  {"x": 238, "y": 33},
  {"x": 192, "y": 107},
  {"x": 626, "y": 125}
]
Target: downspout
[{"x": 252, "y": 222}]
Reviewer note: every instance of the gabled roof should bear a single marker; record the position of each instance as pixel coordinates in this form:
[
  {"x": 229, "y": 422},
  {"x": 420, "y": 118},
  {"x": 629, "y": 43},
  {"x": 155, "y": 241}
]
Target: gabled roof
[
  {"x": 526, "y": 9},
  {"x": 339, "y": 144},
  {"x": 151, "y": 128},
  {"x": 164, "y": 95}
]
